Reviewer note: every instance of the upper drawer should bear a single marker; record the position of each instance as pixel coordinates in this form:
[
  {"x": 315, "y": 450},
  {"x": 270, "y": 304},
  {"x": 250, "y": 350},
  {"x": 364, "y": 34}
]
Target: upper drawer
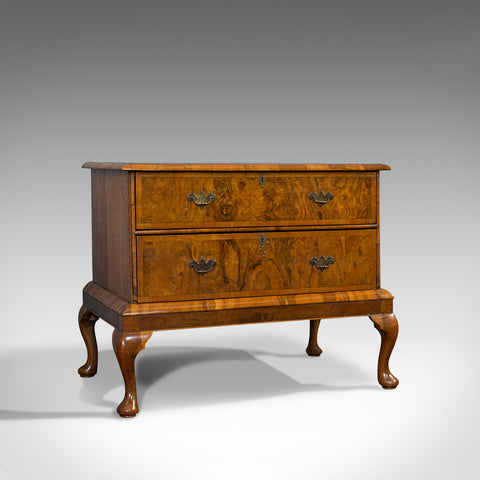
[{"x": 205, "y": 200}]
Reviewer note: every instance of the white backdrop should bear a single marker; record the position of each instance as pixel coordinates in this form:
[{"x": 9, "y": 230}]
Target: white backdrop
[{"x": 307, "y": 82}]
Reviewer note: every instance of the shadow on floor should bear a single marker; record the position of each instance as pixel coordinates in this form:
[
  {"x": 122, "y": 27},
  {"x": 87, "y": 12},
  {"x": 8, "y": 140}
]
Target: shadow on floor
[{"x": 44, "y": 384}]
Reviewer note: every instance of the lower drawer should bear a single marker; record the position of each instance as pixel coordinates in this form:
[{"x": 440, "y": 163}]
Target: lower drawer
[{"x": 202, "y": 266}]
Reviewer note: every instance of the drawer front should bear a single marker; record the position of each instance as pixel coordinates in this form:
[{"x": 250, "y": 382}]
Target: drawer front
[
  {"x": 170, "y": 267},
  {"x": 206, "y": 200}
]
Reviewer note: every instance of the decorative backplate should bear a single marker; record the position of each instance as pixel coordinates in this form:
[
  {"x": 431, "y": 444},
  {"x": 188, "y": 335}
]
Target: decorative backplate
[
  {"x": 202, "y": 266},
  {"x": 201, "y": 199},
  {"x": 321, "y": 262},
  {"x": 321, "y": 197}
]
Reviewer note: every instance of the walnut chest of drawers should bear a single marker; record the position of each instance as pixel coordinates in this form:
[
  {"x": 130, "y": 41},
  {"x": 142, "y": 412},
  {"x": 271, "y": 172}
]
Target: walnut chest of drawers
[{"x": 196, "y": 245}]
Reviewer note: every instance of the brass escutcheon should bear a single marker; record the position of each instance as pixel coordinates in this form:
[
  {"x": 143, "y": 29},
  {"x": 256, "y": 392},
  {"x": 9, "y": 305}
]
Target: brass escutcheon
[
  {"x": 262, "y": 240},
  {"x": 262, "y": 180}
]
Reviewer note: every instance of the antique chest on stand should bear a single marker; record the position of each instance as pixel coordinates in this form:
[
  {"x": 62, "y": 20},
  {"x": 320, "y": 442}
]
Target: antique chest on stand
[{"x": 197, "y": 245}]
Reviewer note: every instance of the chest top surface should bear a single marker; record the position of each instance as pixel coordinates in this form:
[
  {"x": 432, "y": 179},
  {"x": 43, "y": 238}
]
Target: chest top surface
[{"x": 233, "y": 167}]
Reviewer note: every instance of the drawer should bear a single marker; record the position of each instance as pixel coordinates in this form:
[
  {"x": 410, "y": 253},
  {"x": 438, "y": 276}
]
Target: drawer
[
  {"x": 217, "y": 199},
  {"x": 170, "y": 267}
]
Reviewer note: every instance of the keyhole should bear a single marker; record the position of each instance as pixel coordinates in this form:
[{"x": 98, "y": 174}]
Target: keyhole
[
  {"x": 262, "y": 180},
  {"x": 263, "y": 240}
]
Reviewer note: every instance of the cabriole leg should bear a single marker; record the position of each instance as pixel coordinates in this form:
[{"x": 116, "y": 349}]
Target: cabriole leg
[
  {"x": 86, "y": 322},
  {"x": 126, "y": 347},
  {"x": 313, "y": 349},
  {"x": 387, "y": 326}
]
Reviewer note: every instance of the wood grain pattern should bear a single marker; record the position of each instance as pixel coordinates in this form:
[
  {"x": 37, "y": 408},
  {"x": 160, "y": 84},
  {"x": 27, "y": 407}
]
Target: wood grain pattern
[
  {"x": 271, "y": 228},
  {"x": 244, "y": 268},
  {"x": 133, "y": 238},
  {"x": 126, "y": 347},
  {"x": 105, "y": 304},
  {"x": 161, "y": 200},
  {"x": 235, "y": 167},
  {"x": 86, "y": 322},
  {"x": 175, "y": 321},
  {"x": 97, "y": 298},
  {"x": 387, "y": 326},
  {"x": 133, "y": 317},
  {"x": 313, "y": 350},
  {"x": 111, "y": 232},
  {"x": 378, "y": 227}
]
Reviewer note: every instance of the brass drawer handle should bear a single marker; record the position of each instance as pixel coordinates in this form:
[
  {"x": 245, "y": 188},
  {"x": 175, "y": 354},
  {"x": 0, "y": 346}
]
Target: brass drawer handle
[
  {"x": 321, "y": 197},
  {"x": 321, "y": 262},
  {"x": 201, "y": 199},
  {"x": 202, "y": 266}
]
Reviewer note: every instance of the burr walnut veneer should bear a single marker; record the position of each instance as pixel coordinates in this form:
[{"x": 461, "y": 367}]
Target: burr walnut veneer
[{"x": 186, "y": 246}]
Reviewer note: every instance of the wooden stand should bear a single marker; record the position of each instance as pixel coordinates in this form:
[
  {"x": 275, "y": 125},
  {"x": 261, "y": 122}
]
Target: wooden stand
[{"x": 133, "y": 324}]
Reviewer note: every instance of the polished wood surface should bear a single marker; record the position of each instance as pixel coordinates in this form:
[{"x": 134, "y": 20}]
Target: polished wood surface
[
  {"x": 86, "y": 322},
  {"x": 126, "y": 347},
  {"x": 235, "y": 167},
  {"x": 387, "y": 326},
  {"x": 313, "y": 350},
  {"x": 133, "y": 237},
  {"x": 175, "y": 321},
  {"x": 111, "y": 232},
  {"x": 202, "y": 245},
  {"x": 269, "y": 228},
  {"x": 101, "y": 301},
  {"x": 240, "y": 200},
  {"x": 245, "y": 268},
  {"x": 133, "y": 317},
  {"x": 378, "y": 229}
]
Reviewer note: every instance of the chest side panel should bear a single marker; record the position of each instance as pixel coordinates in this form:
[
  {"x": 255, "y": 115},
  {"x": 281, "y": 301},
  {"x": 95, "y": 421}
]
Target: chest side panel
[{"x": 111, "y": 232}]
